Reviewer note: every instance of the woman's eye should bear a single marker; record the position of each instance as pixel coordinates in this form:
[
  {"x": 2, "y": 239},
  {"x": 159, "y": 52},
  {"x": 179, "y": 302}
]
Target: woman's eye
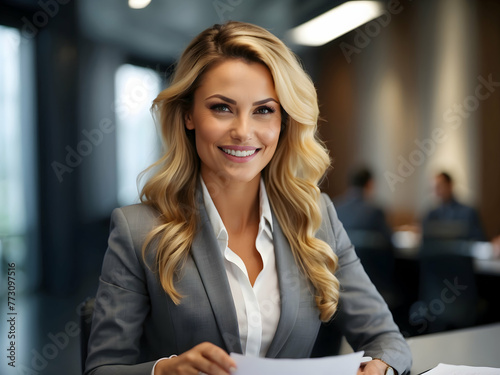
[
  {"x": 220, "y": 108},
  {"x": 264, "y": 110}
]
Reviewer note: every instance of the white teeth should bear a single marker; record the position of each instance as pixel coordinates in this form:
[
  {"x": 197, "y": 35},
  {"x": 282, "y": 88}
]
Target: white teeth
[{"x": 238, "y": 153}]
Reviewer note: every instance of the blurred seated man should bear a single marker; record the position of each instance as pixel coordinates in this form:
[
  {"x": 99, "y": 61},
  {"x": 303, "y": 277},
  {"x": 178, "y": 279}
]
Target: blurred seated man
[
  {"x": 447, "y": 232},
  {"x": 359, "y": 215},
  {"x": 451, "y": 220}
]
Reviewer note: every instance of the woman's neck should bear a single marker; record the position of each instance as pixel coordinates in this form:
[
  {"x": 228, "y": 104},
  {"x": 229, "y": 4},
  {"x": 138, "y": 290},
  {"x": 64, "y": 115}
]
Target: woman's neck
[{"x": 238, "y": 203}]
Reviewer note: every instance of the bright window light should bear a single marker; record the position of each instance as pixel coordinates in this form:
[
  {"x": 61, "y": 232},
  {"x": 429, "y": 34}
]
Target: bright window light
[
  {"x": 336, "y": 22},
  {"x": 138, "y": 144},
  {"x": 138, "y": 4},
  {"x": 18, "y": 215}
]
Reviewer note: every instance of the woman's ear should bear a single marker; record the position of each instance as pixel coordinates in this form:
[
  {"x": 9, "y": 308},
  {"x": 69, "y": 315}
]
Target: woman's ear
[{"x": 188, "y": 121}]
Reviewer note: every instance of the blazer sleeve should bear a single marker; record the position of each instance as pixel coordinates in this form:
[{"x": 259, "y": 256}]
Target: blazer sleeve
[
  {"x": 122, "y": 303},
  {"x": 363, "y": 316}
]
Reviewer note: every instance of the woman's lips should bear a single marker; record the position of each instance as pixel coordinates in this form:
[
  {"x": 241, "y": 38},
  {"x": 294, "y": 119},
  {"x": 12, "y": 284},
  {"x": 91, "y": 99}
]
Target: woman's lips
[{"x": 239, "y": 153}]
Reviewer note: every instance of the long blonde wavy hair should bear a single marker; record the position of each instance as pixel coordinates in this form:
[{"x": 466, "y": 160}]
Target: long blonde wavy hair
[{"x": 291, "y": 177}]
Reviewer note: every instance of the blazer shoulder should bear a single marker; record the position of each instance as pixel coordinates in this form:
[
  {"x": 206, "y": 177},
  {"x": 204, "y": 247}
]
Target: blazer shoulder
[
  {"x": 328, "y": 210},
  {"x": 138, "y": 220},
  {"x": 139, "y": 209},
  {"x": 326, "y": 231},
  {"x": 325, "y": 199},
  {"x": 136, "y": 214},
  {"x": 332, "y": 231}
]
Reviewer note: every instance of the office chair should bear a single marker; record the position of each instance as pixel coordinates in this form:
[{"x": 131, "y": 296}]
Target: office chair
[
  {"x": 85, "y": 325},
  {"x": 447, "y": 285}
]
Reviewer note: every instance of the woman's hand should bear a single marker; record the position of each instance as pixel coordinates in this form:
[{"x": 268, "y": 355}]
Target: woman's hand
[
  {"x": 205, "y": 358},
  {"x": 375, "y": 367}
]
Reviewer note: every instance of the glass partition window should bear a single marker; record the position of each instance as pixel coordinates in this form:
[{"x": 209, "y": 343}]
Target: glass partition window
[
  {"x": 138, "y": 145},
  {"x": 17, "y": 172}
]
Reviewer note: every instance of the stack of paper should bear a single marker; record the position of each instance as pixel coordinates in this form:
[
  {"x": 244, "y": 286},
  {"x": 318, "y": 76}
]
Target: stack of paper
[
  {"x": 339, "y": 365},
  {"x": 443, "y": 369}
]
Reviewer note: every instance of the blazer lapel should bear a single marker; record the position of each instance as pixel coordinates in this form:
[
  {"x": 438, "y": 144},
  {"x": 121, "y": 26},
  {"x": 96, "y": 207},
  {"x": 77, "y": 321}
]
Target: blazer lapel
[
  {"x": 208, "y": 260},
  {"x": 290, "y": 284}
]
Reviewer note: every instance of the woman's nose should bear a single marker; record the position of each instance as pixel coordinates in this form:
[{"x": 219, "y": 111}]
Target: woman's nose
[{"x": 241, "y": 128}]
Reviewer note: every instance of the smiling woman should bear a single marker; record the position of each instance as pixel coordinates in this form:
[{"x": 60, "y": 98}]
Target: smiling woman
[
  {"x": 234, "y": 248},
  {"x": 236, "y": 119}
]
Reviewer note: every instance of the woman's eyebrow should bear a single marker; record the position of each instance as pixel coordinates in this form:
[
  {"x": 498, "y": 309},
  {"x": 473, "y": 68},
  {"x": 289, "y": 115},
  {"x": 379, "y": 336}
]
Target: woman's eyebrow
[
  {"x": 226, "y": 99},
  {"x": 232, "y": 101},
  {"x": 264, "y": 101}
]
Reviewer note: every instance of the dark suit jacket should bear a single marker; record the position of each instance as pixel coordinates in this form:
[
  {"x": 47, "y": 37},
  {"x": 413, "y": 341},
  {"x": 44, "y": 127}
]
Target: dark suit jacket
[
  {"x": 453, "y": 221},
  {"x": 135, "y": 322}
]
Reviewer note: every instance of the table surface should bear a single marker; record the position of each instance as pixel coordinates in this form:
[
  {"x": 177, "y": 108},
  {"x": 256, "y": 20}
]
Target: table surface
[
  {"x": 483, "y": 264},
  {"x": 476, "y": 346},
  {"x": 487, "y": 266}
]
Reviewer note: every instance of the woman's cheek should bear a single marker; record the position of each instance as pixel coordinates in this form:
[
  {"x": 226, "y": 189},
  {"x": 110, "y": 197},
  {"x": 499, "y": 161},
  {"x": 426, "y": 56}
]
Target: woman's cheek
[{"x": 271, "y": 134}]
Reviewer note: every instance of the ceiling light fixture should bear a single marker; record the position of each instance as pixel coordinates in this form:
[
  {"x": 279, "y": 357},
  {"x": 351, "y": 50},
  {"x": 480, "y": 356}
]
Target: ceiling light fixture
[
  {"x": 336, "y": 22},
  {"x": 138, "y": 4}
]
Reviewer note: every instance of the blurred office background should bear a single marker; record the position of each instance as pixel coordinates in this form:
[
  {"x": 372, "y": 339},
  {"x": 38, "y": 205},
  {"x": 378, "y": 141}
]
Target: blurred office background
[{"x": 412, "y": 92}]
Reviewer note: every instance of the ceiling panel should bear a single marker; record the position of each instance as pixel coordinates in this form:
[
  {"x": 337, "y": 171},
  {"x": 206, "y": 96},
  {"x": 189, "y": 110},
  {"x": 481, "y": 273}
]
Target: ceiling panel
[{"x": 163, "y": 29}]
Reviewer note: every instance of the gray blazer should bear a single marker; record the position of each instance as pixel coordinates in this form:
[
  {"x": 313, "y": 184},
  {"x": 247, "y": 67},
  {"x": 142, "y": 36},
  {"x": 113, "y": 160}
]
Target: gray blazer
[{"x": 135, "y": 322}]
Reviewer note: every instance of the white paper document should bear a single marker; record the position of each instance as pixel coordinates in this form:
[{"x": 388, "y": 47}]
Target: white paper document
[
  {"x": 338, "y": 365},
  {"x": 443, "y": 369}
]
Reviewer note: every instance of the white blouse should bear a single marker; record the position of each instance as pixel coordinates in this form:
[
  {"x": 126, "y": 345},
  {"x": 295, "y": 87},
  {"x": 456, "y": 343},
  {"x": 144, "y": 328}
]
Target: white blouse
[{"x": 258, "y": 308}]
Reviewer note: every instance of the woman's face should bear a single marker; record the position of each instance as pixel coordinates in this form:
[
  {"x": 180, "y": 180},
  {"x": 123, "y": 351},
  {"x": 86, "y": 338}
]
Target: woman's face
[{"x": 237, "y": 121}]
